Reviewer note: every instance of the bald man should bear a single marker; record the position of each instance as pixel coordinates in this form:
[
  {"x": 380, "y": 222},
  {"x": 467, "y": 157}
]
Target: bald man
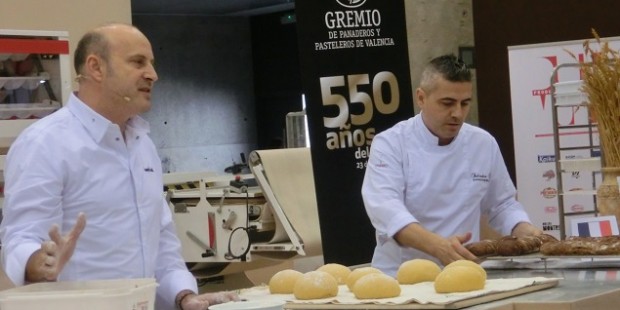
[{"x": 94, "y": 156}]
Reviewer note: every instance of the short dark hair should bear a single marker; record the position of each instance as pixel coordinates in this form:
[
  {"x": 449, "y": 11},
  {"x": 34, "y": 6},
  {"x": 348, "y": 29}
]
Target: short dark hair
[
  {"x": 93, "y": 42},
  {"x": 448, "y": 67}
]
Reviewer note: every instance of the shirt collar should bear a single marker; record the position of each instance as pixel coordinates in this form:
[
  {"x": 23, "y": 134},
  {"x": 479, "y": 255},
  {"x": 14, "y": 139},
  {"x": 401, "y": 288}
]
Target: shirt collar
[
  {"x": 427, "y": 136},
  {"x": 97, "y": 125}
]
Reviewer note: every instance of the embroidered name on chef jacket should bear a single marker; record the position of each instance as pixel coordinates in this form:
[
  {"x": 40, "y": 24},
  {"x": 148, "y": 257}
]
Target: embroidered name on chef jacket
[{"x": 476, "y": 177}]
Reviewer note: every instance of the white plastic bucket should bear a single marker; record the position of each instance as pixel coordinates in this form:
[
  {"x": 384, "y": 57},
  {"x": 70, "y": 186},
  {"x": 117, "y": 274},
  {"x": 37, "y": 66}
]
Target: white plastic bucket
[{"x": 253, "y": 305}]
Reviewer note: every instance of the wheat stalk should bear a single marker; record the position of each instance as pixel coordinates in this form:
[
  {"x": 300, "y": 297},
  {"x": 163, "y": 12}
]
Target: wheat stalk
[{"x": 601, "y": 83}]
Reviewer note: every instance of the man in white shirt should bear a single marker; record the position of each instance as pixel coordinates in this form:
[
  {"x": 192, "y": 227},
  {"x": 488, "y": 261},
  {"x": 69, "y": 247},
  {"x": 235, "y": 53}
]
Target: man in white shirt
[
  {"x": 429, "y": 178},
  {"x": 94, "y": 156}
]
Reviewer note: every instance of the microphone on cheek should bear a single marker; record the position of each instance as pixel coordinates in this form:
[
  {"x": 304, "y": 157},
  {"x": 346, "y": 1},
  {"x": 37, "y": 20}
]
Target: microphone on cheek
[{"x": 125, "y": 97}]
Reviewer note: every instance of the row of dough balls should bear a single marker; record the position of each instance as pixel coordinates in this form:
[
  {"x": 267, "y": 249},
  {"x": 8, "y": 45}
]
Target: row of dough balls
[
  {"x": 365, "y": 282},
  {"x": 372, "y": 283}
]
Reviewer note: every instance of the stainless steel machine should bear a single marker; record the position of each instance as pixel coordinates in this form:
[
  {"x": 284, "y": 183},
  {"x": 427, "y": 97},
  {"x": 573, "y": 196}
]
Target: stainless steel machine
[{"x": 226, "y": 219}]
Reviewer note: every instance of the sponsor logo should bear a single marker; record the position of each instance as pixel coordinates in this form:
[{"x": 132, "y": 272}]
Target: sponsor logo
[
  {"x": 551, "y": 209},
  {"x": 575, "y": 174},
  {"x": 577, "y": 208},
  {"x": 549, "y": 192},
  {"x": 351, "y": 4},
  {"x": 549, "y": 174},
  {"x": 542, "y": 93},
  {"x": 547, "y": 226},
  {"x": 546, "y": 158},
  {"x": 479, "y": 177}
]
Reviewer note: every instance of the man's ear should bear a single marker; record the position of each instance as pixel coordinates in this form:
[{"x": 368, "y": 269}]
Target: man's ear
[
  {"x": 420, "y": 96},
  {"x": 94, "y": 67}
]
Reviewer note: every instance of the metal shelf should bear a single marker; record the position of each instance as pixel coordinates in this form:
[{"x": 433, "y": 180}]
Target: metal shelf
[{"x": 591, "y": 164}]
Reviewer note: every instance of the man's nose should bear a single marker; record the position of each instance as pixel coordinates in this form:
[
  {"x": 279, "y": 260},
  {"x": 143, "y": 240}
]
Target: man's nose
[
  {"x": 151, "y": 74},
  {"x": 458, "y": 111}
]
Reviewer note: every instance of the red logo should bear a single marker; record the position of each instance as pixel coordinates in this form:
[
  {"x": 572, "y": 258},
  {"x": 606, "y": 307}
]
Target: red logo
[
  {"x": 577, "y": 208},
  {"x": 549, "y": 174},
  {"x": 549, "y": 192},
  {"x": 551, "y": 209}
]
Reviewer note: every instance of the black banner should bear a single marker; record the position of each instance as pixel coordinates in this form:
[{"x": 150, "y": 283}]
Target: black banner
[{"x": 355, "y": 76}]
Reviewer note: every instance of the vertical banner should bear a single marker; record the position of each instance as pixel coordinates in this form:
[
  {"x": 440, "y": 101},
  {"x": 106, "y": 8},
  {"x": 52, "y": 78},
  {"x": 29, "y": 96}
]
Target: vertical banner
[
  {"x": 531, "y": 68},
  {"x": 355, "y": 76}
]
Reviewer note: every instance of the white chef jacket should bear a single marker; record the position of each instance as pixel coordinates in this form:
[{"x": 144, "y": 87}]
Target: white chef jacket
[
  {"x": 75, "y": 160},
  {"x": 411, "y": 179}
]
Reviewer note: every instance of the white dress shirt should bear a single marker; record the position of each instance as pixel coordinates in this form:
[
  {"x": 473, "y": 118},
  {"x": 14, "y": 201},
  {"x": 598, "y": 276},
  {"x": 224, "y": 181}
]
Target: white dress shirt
[
  {"x": 411, "y": 179},
  {"x": 75, "y": 160}
]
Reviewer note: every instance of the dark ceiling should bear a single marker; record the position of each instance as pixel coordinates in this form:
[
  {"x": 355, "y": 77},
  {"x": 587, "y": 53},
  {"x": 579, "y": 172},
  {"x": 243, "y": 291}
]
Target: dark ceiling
[{"x": 210, "y": 7}]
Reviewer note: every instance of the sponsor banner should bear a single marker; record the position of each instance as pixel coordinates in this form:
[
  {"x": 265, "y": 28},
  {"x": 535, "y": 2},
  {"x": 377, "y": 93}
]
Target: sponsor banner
[
  {"x": 530, "y": 70},
  {"x": 355, "y": 76}
]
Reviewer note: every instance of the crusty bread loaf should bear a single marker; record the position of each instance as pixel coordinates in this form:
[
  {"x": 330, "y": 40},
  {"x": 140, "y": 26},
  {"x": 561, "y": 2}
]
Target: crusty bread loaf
[
  {"x": 509, "y": 245},
  {"x": 513, "y": 246},
  {"x": 608, "y": 245},
  {"x": 483, "y": 248}
]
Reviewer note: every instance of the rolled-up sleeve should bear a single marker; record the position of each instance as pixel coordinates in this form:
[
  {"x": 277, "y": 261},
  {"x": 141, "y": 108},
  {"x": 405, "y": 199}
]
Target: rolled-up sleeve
[
  {"x": 171, "y": 272},
  {"x": 32, "y": 203}
]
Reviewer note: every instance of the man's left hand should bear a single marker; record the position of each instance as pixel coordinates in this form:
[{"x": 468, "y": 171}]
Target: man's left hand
[{"x": 525, "y": 229}]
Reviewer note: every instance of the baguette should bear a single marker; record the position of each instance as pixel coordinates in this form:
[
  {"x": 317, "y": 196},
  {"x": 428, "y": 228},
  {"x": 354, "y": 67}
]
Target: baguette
[
  {"x": 483, "y": 248},
  {"x": 509, "y": 245},
  {"x": 609, "y": 245}
]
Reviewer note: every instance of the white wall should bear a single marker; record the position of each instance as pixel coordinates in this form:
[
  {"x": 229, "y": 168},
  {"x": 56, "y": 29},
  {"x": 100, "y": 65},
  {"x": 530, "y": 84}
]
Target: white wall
[
  {"x": 73, "y": 16},
  {"x": 435, "y": 28}
]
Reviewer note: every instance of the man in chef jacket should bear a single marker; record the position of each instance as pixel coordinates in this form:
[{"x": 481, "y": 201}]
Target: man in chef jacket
[{"x": 431, "y": 177}]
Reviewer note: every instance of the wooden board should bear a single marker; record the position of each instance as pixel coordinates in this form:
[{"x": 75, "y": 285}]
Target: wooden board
[
  {"x": 456, "y": 305},
  {"x": 412, "y": 296}
]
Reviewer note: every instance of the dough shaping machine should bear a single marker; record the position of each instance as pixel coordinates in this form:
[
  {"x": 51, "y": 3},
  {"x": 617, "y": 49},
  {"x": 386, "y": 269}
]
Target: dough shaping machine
[{"x": 224, "y": 220}]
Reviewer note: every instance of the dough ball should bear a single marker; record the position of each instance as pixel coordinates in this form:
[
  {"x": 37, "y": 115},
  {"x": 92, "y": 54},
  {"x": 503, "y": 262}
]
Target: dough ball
[
  {"x": 459, "y": 279},
  {"x": 315, "y": 285},
  {"x": 283, "y": 281},
  {"x": 417, "y": 270},
  {"x": 376, "y": 285},
  {"x": 468, "y": 263},
  {"x": 340, "y": 272},
  {"x": 358, "y": 273}
]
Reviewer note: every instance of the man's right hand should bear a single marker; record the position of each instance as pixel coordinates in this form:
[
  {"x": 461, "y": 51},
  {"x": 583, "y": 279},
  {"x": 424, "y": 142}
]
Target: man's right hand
[
  {"x": 452, "y": 249},
  {"x": 46, "y": 263},
  {"x": 446, "y": 250}
]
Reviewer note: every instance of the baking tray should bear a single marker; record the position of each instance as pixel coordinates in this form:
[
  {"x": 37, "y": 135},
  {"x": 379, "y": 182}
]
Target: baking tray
[
  {"x": 541, "y": 261},
  {"x": 543, "y": 256}
]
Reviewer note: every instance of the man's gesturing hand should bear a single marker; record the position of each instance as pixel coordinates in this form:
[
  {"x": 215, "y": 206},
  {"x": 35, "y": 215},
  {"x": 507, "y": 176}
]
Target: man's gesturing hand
[{"x": 46, "y": 263}]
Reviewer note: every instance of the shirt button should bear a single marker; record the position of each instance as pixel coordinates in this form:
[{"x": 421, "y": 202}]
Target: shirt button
[
  {"x": 118, "y": 139},
  {"x": 137, "y": 137}
]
